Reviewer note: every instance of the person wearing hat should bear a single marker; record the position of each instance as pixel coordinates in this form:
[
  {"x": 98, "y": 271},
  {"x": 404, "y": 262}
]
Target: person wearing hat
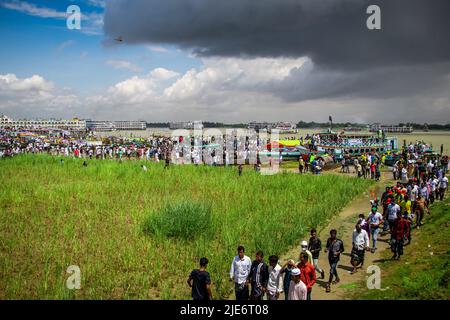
[
  {"x": 375, "y": 220},
  {"x": 304, "y": 248},
  {"x": 297, "y": 289},
  {"x": 286, "y": 270}
]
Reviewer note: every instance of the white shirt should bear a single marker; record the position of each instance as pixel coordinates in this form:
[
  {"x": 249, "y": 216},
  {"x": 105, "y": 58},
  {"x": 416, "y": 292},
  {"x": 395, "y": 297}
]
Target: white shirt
[
  {"x": 240, "y": 269},
  {"x": 375, "y": 218},
  {"x": 275, "y": 283},
  {"x": 433, "y": 184},
  {"x": 360, "y": 240},
  {"x": 443, "y": 183},
  {"x": 414, "y": 194},
  {"x": 393, "y": 209},
  {"x": 436, "y": 180},
  {"x": 297, "y": 291}
]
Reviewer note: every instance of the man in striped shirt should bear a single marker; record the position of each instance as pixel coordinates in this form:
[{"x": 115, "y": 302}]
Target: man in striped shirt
[{"x": 259, "y": 276}]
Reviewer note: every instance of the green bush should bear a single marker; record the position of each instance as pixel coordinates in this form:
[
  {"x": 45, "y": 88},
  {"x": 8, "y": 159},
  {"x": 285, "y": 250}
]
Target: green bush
[{"x": 185, "y": 220}]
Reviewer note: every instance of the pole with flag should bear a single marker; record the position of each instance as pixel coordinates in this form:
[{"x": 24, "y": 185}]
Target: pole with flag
[{"x": 331, "y": 122}]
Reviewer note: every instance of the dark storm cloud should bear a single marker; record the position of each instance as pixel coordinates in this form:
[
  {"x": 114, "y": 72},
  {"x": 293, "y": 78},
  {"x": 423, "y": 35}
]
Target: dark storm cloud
[
  {"x": 332, "y": 33},
  {"x": 400, "y": 71},
  {"x": 310, "y": 83}
]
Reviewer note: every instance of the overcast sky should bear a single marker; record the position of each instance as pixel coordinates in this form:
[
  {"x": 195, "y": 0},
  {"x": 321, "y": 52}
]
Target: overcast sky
[{"x": 233, "y": 61}]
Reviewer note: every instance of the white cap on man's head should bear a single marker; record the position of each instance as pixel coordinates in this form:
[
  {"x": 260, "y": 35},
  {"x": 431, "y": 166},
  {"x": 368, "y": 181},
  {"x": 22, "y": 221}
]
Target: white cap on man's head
[
  {"x": 295, "y": 272},
  {"x": 304, "y": 243}
]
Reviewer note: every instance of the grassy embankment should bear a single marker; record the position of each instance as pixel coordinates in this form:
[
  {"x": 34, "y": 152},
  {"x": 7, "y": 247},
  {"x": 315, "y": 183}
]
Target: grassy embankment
[{"x": 113, "y": 221}]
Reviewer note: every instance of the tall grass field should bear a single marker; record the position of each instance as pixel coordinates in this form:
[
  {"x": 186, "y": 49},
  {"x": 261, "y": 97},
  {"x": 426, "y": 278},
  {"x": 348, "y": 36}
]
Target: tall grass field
[{"x": 137, "y": 234}]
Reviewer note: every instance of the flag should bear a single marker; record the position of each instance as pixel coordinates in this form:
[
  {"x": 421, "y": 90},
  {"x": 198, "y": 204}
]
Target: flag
[{"x": 330, "y": 118}]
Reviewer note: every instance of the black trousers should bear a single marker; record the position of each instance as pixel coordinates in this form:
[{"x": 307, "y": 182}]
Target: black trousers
[
  {"x": 242, "y": 293},
  {"x": 441, "y": 193}
]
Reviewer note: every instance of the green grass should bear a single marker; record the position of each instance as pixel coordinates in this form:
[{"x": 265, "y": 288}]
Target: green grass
[
  {"x": 423, "y": 273},
  {"x": 186, "y": 220},
  {"x": 114, "y": 221}
]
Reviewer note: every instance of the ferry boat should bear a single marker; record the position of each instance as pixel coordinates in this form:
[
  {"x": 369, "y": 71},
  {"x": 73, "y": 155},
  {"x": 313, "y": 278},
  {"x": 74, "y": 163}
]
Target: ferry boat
[{"x": 354, "y": 143}]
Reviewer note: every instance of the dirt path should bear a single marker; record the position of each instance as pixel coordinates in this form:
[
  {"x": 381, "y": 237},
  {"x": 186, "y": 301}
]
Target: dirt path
[{"x": 344, "y": 223}]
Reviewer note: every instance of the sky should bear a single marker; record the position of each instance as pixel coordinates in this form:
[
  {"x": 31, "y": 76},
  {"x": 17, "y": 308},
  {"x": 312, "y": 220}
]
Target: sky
[{"x": 235, "y": 61}]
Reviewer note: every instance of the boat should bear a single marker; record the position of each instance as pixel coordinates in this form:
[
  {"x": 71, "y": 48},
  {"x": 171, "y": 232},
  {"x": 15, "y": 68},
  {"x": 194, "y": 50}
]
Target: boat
[{"x": 354, "y": 144}]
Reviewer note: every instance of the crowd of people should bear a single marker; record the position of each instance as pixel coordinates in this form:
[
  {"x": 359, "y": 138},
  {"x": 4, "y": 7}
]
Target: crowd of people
[
  {"x": 227, "y": 149},
  {"x": 413, "y": 163},
  {"x": 400, "y": 210},
  {"x": 419, "y": 182}
]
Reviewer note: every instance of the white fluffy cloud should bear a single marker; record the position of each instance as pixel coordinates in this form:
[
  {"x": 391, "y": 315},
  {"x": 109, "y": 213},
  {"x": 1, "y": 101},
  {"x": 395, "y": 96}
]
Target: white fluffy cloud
[
  {"x": 226, "y": 90},
  {"x": 9, "y": 83},
  {"x": 34, "y": 97},
  {"x": 123, "y": 65},
  {"x": 231, "y": 74},
  {"x": 163, "y": 74}
]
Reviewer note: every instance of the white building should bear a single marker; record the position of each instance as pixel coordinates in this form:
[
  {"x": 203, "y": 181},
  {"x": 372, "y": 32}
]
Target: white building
[
  {"x": 130, "y": 125},
  {"x": 100, "y": 125},
  {"x": 115, "y": 125},
  {"x": 72, "y": 124},
  {"x": 189, "y": 125}
]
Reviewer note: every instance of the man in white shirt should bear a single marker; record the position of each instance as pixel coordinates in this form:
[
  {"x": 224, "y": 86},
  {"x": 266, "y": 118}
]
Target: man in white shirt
[
  {"x": 442, "y": 187},
  {"x": 404, "y": 175},
  {"x": 239, "y": 272},
  {"x": 392, "y": 210},
  {"x": 414, "y": 194},
  {"x": 375, "y": 220},
  {"x": 297, "y": 289},
  {"x": 360, "y": 240},
  {"x": 275, "y": 283}
]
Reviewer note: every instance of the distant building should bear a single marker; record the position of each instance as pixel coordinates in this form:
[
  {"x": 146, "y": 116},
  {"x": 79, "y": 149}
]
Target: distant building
[
  {"x": 282, "y": 126},
  {"x": 72, "y": 124},
  {"x": 260, "y": 125},
  {"x": 96, "y": 125},
  {"x": 286, "y": 126},
  {"x": 386, "y": 128},
  {"x": 188, "y": 125},
  {"x": 130, "y": 125}
]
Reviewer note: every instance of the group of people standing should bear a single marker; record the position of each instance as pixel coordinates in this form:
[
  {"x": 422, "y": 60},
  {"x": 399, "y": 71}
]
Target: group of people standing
[
  {"x": 402, "y": 209},
  {"x": 256, "y": 280}
]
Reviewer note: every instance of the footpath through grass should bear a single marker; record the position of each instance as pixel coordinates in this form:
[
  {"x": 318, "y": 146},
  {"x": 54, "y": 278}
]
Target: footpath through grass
[
  {"x": 115, "y": 222},
  {"x": 423, "y": 273}
]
